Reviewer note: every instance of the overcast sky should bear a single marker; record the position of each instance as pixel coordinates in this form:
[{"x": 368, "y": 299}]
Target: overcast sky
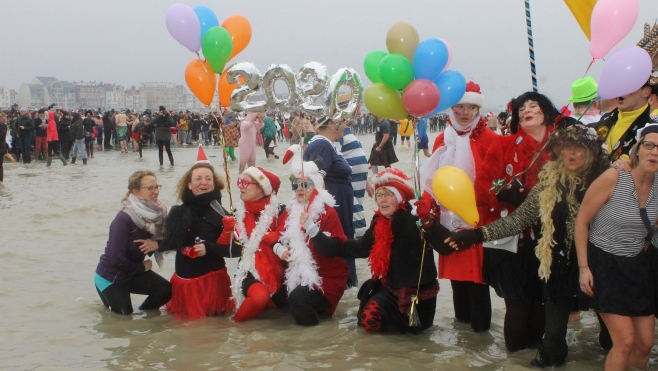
[{"x": 126, "y": 41}]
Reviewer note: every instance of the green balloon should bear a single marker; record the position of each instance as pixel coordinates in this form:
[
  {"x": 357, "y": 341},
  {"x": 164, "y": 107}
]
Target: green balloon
[
  {"x": 396, "y": 71},
  {"x": 217, "y": 46},
  {"x": 371, "y": 65},
  {"x": 384, "y": 102}
]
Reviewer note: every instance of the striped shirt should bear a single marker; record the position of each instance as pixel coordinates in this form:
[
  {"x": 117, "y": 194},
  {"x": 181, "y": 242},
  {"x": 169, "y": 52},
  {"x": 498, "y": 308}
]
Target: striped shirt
[
  {"x": 617, "y": 228},
  {"x": 353, "y": 152}
]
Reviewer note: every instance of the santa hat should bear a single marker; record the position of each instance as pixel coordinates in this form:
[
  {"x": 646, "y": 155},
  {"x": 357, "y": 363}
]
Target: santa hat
[
  {"x": 201, "y": 156},
  {"x": 269, "y": 182},
  {"x": 395, "y": 181},
  {"x": 472, "y": 95}
]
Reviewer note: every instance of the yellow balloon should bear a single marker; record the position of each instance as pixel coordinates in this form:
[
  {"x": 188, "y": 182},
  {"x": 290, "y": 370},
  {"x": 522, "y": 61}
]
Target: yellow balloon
[
  {"x": 454, "y": 190},
  {"x": 384, "y": 102},
  {"x": 402, "y": 38},
  {"x": 582, "y": 11}
]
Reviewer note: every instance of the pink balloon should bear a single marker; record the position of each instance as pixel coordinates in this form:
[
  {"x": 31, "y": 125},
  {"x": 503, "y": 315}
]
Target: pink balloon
[
  {"x": 421, "y": 97},
  {"x": 611, "y": 21},
  {"x": 449, "y": 54},
  {"x": 183, "y": 24},
  {"x": 625, "y": 71}
]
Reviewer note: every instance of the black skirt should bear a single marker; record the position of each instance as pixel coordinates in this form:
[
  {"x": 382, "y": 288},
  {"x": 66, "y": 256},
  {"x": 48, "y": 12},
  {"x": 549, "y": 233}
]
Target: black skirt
[
  {"x": 384, "y": 157},
  {"x": 622, "y": 285},
  {"x": 513, "y": 275}
]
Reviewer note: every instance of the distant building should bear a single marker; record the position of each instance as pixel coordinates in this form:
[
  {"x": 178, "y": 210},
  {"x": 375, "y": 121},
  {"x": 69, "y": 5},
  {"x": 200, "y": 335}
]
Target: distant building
[{"x": 156, "y": 94}]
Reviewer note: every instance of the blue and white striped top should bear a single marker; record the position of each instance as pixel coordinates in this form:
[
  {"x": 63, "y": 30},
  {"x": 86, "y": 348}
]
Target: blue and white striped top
[
  {"x": 617, "y": 228},
  {"x": 353, "y": 152}
]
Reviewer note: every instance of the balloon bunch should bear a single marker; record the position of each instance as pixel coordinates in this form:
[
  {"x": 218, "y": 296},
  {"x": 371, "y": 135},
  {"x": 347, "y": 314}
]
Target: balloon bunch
[
  {"x": 606, "y": 23},
  {"x": 198, "y": 29},
  {"x": 412, "y": 78}
]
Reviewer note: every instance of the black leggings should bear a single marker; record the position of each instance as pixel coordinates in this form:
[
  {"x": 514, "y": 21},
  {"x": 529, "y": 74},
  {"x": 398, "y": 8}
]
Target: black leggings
[
  {"x": 164, "y": 144},
  {"x": 380, "y": 313},
  {"x": 117, "y": 296},
  {"x": 305, "y": 305},
  {"x": 266, "y": 146},
  {"x": 472, "y": 304},
  {"x": 524, "y": 323}
]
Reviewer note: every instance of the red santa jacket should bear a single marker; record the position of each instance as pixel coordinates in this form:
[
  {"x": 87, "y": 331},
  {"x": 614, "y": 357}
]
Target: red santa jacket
[
  {"x": 510, "y": 156},
  {"x": 466, "y": 265}
]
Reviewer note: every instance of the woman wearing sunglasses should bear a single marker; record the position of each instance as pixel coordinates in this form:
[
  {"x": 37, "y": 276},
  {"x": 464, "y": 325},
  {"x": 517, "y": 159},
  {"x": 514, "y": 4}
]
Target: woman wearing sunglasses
[
  {"x": 259, "y": 276},
  {"x": 614, "y": 238},
  {"x": 315, "y": 282},
  {"x": 201, "y": 284},
  {"x": 135, "y": 232}
]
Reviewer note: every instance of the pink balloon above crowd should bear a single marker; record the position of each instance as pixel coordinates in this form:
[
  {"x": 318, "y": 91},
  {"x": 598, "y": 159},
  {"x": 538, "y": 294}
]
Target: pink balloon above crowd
[{"x": 413, "y": 77}]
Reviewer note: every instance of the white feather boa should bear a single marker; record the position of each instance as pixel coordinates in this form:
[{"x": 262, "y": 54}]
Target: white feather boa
[
  {"x": 302, "y": 268},
  {"x": 250, "y": 245}
]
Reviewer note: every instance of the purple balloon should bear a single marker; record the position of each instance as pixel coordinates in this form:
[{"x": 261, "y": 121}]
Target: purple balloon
[
  {"x": 627, "y": 70},
  {"x": 183, "y": 24}
]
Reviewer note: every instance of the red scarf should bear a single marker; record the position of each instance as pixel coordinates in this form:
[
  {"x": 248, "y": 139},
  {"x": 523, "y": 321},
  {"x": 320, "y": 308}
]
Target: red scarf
[
  {"x": 268, "y": 265},
  {"x": 380, "y": 255}
]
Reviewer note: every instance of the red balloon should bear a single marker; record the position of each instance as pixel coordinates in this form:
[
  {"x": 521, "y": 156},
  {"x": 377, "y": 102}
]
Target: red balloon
[{"x": 421, "y": 97}]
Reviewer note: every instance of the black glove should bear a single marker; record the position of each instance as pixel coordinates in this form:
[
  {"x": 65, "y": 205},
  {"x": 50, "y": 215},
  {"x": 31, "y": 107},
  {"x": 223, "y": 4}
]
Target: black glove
[
  {"x": 437, "y": 233},
  {"x": 466, "y": 237},
  {"x": 512, "y": 194}
]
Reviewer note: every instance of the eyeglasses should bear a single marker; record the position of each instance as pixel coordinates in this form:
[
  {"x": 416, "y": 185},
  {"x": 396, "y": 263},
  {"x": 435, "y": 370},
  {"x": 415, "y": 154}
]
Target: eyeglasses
[
  {"x": 301, "y": 184},
  {"x": 648, "y": 145},
  {"x": 380, "y": 195},
  {"x": 152, "y": 188},
  {"x": 244, "y": 183}
]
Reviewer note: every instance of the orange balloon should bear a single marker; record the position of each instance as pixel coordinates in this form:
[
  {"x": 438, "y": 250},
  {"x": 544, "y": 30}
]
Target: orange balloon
[
  {"x": 225, "y": 89},
  {"x": 201, "y": 80},
  {"x": 239, "y": 28}
]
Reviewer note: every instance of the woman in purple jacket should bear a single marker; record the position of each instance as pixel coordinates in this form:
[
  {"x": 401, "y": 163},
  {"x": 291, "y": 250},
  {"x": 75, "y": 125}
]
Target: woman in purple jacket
[{"x": 136, "y": 231}]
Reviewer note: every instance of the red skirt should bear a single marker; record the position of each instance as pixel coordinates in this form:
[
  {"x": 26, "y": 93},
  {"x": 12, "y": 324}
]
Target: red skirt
[{"x": 205, "y": 296}]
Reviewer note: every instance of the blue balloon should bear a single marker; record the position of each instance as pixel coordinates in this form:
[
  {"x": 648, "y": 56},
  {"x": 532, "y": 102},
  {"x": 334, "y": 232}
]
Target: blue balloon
[
  {"x": 452, "y": 86},
  {"x": 430, "y": 58},
  {"x": 207, "y": 18}
]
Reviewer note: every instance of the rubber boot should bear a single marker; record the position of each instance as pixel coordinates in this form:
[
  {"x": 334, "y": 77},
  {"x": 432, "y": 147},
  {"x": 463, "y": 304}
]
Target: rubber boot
[
  {"x": 61, "y": 158},
  {"x": 257, "y": 299},
  {"x": 49, "y": 160},
  {"x": 73, "y": 160},
  {"x": 84, "y": 161},
  {"x": 550, "y": 357}
]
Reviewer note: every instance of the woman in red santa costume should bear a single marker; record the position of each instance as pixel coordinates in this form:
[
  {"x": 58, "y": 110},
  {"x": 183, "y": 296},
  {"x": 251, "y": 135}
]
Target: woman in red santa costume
[
  {"x": 401, "y": 263},
  {"x": 315, "y": 282},
  {"x": 513, "y": 165},
  {"x": 462, "y": 144},
  {"x": 259, "y": 276}
]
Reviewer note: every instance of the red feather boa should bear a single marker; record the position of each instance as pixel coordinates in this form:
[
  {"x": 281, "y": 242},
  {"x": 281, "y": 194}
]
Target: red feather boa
[{"x": 380, "y": 255}]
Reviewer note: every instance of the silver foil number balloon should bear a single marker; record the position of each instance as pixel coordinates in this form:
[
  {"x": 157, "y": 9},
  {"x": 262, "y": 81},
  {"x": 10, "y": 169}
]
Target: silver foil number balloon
[
  {"x": 250, "y": 85},
  {"x": 312, "y": 82},
  {"x": 283, "y": 73},
  {"x": 344, "y": 106}
]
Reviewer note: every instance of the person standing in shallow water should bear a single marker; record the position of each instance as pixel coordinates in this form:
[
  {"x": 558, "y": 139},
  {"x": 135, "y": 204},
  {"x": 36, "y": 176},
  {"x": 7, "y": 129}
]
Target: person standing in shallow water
[
  {"x": 135, "y": 232},
  {"x": 162, "y": 123}
]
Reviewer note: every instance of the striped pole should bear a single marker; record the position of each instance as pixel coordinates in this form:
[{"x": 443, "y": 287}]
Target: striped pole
[{"x": 531, "y": 46}]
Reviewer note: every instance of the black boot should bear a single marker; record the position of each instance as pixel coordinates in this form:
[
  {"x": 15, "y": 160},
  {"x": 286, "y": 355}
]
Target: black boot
[
  {"x": 49, "y": 160},
  {"x": 73, "y": 160},
  {"x": 84, "y": 161},
  {"x": 171, "y": 159},
  {"x": 550, "y": 357},
  {"x": 61, "y": 158}
]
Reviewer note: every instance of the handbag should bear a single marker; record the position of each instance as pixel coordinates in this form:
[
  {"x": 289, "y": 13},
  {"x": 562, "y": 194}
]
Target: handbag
[{"x": 510, "y": 244}]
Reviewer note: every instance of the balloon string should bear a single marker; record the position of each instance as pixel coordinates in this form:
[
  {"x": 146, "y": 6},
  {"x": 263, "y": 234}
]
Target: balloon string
[
  {"x": 499, "y": 184},
  {"x": 416, "y": 160},
  {"x": 222, "y": 140},
  {"x": 590, "y": 66}
]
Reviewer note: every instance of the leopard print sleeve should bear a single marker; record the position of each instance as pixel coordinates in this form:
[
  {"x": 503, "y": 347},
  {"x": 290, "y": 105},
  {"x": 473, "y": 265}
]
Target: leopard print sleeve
[{"x": 526, "y": 214}]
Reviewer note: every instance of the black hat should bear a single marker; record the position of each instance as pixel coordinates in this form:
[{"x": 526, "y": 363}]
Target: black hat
[{"x": 162, "y": 108}]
